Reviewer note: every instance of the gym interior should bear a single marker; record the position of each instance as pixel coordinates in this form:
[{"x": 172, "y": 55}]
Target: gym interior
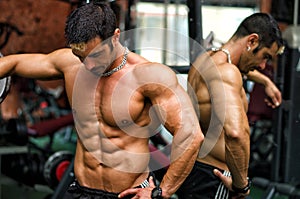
[{"x": 38, "y": 137}]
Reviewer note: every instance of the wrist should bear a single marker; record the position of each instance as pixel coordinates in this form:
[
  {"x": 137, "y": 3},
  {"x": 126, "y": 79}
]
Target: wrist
[
  {"x": 267, "y": 82},
  {"x": 156, "y": 193},
  {"x": 243, "y": 190}
]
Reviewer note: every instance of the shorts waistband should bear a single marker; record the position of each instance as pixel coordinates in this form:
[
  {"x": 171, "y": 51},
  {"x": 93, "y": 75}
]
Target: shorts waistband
[
  {"x": 207, "y": 166},
  {"x": 144, "y": 184},
  {"x": 88, "y": 190}
]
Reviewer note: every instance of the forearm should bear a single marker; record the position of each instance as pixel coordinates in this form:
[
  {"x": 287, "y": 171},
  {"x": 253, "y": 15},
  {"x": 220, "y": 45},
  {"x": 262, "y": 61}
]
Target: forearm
[
  {"x": 182, "y": 163},
  {"x": 21, "y": 64},
  {"x": 271, "y": 89},
  {"x": 237, "y": 154},
  {"x": 37, "y": 66},
  {"x": 258, "y": 77},
  {"x": 7, "y": 65}
]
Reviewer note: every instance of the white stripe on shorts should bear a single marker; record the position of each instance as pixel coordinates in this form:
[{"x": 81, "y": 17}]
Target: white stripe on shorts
[{"x": 223, "y": 192}]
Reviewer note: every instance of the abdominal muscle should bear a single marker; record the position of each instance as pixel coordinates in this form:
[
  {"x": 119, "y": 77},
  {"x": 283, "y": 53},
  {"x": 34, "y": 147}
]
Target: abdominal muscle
[
  {"x": 216, "y": 157},
  {"x": 114, "y": 165}
]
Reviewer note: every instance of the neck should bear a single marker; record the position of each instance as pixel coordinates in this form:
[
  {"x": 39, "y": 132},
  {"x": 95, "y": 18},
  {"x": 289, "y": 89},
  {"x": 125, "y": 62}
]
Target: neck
[
  {"x": 236, "y": 48},
  {"x": 119, "y": 67},
  {"x": 224, "y": 50}
]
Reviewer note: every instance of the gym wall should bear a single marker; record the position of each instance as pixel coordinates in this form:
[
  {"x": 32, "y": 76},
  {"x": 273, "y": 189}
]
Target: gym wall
[{"x": 32, "y": 26}]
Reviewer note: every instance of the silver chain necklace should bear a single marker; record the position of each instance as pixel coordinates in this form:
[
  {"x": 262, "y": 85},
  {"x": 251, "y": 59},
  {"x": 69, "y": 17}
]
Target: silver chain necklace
[
  {"x": 225, "y": 51},
  {"x": 118, "y": 67}
]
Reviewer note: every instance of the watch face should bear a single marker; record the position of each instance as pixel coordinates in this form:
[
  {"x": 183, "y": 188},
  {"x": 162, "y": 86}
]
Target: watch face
[{"x": 156, "y": 192}]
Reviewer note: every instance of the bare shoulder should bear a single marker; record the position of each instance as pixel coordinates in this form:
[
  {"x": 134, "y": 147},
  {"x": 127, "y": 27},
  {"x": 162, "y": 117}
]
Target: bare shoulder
[
  {"x": 230, "y": 74},
  {"x": 65, "y": 51},
  {"x": 64, "y": 54},
  {"x": 155, "y": 72},
  {"x": 63, "y": 58}
]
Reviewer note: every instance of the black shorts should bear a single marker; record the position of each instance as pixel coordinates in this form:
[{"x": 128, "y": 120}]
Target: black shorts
[
  {"x": 203, "y": 184},
  {"x": 76, "y": 191}
]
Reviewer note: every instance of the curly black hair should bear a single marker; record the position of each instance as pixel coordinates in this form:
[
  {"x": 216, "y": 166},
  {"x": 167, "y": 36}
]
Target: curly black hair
[
  {"x": 91, "y": 20},
  {"x": 265, "y": 26}
]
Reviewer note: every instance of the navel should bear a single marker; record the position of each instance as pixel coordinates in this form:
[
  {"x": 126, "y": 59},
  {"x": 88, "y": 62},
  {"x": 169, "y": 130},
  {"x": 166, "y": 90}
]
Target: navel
[{"x": 125, "y": 122}]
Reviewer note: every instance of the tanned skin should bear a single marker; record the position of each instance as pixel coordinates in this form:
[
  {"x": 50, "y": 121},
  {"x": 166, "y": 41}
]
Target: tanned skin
[
  {"x": 231, "y": 151},
  {"x": 149, "y": 92}
]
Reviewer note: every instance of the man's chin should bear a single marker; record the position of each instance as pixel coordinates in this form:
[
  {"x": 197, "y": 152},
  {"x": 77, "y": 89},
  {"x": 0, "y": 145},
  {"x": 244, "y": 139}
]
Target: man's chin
[
  {"x": 244, "y": 72},
  {"x": 98, "y": 71}
]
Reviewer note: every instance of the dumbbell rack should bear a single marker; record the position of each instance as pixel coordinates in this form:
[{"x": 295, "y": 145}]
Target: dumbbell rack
[
  {"x": 272, "y": 188},
  {"x": 4, "y": 150},
  {"x": 5, "y": 180},
  {"x": 286, "y": 165}
]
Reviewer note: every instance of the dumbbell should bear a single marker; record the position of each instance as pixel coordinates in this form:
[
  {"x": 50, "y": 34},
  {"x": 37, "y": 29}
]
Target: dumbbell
[
  {"x": 25, "y": 167},
  {"x": 14, "y": 131},
  {"x": 4, "y": 85},
  {"x": 55, "y": 167}
]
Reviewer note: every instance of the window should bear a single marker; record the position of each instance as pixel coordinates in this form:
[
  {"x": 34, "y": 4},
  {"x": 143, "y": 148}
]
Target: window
[
  {"x": 223, "y": 20},
  {"x": 162, "y": 33}
]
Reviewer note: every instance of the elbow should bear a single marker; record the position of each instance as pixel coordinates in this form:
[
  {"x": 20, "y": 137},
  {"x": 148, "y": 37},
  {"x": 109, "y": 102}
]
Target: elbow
[
  {"x": 238, "y": 134},
  {"x": 200, "y": 137},
  {"x": 198, "y": 140},
  {"x": 198, "y": 134},
  {"x": 232, "y": 134}
]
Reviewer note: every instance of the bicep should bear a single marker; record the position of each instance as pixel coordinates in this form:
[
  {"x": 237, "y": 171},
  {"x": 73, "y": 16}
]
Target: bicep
[
  {"x": 164, "y": 91},
  {"x": 176, "y": 109},
  {"x": 41, "y": 66},
  {"x": 32, "y": 65}
]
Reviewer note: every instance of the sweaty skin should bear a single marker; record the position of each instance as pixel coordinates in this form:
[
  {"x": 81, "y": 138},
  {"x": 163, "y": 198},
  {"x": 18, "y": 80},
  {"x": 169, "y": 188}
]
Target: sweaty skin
[
  {"x": 230, "y": 150},
  {"x": 274, "y": 95},
  {"x": 235, "y": 103},
  {"x": 115, "y": 122}
]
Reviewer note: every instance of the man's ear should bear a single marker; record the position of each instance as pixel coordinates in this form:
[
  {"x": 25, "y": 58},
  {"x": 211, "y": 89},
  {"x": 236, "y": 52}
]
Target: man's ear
[
  {"x": 116, "y": 37},
  {"x": 253, "y": 40}
]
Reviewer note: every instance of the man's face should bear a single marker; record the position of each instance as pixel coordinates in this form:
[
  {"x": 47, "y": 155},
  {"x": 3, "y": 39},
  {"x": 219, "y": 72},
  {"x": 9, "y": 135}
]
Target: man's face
[
  {"x": 250, "y": 61},
  {"x": 96, "y": 55}
]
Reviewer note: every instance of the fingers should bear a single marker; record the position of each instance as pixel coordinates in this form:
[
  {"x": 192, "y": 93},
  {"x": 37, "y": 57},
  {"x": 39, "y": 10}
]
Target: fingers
[
  {"x": 272, "y": 102},
  {"x": 274, "y": 96},
  {"x": 151, "y": 182},
  {"x": 222, "y": 177},
  {"x": 138, "y": 191},
  {"x": 275, "y": 101},
  {"x": 132, "y": 191},
  {"x": 278, "y": 97},
  {"x": 218, "y": 173},
  {"x": 269, "y": 103},
  {"x": 227, "y": 180}
]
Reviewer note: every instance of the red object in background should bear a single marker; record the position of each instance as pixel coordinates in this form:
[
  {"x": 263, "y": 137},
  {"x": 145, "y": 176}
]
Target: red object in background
[
  {"x": 51, "y": 126},
  {"x": 61, "y": 168}
]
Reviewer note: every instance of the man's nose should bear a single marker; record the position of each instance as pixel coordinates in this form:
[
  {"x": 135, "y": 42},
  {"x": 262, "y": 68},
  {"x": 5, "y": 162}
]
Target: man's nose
[
  {"x": 262, "y": 65},
  {"x": 88, "y": 64}
]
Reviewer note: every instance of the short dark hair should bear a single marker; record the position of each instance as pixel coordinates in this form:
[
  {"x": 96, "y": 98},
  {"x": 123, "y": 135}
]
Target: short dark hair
[
  {"x": 265, "y": 26},
  {"x": 89, "y": 21}
]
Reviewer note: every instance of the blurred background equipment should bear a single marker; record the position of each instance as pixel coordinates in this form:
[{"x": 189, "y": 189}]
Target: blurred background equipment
[{"x": 37, "y": 138}]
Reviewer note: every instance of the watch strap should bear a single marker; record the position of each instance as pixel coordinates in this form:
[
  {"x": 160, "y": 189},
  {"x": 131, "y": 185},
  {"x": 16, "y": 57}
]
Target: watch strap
[
  {"x": 242, "y": 190},
  {"x": 156, "y": 193}
]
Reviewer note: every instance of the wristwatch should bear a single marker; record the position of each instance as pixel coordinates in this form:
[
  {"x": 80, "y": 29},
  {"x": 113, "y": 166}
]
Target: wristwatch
[
  {"x": 156, "y": 193},
  {"x": 242, "y": 190}
]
